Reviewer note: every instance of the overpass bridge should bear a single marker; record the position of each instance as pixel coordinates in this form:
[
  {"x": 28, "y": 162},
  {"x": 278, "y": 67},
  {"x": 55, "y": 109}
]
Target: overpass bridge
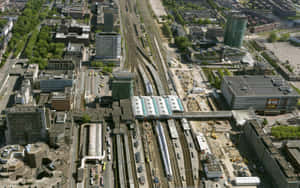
[
  {"x": 203, "y": 115},
  {"x": 193, "y": 116}
]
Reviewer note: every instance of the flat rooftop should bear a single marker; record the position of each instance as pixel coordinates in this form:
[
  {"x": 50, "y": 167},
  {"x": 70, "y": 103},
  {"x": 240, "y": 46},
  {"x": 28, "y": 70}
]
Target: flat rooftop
[
  {"x": 270, "y": 86},
  {"x": 56, "y": 74},
  {"x": 22, "y": 109},
  {"x": 108, "y": 34},
  {"x": 293, "y": 148},
  {"x": 123, "y": 75}
]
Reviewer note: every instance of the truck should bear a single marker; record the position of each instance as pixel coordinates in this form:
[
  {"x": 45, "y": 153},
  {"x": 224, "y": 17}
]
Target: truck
[
  {"x": 247, "y": 181},
  {"x": 101, "y": 181},
  {"x": 137, "y": 157},
  {"x": 142, "y": 180}
]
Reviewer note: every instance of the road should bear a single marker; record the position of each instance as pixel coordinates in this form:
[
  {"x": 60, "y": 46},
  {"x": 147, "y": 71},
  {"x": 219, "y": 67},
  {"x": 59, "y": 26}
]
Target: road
[
  {"x": 7, "y": 91},
  {"x": 73, "y": 155},
  {"x": 108, "y": 175}
]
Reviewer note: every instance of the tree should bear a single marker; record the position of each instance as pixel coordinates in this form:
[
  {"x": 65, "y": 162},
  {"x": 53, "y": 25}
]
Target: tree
[
  {"x": 97, "y": 64},
  {"x": 166, "y": 30},
  {"x": 86, "y": 118},
  {"x": 284, "y": 37},
  {"x": 182, "y": 43},
  {"x": 273, "y": 37},
  {"x": 170, "y": 17},
  {"x": 111, "y": 64},
  {"x": 178, "y": 17},
  {"x": 43, "y": 52},
  {"x": 265, "y": 121},
  {"x": 107, "y": 69}
]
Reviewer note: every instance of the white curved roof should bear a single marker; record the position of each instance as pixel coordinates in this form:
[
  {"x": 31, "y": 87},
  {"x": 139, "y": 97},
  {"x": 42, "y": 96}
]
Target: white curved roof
[
  {"x": 173, "y": 102},
  {"x": 137, "y": 106},
  {"x": 149, "y": 106},
  {"x": 92, "y": 140},
  {"x": 161, "y": 105}
]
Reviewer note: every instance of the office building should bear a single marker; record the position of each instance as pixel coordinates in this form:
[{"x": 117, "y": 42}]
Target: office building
[
  {"x": 34, "y": 154},
  {"x": 281, "y": 165},
  {"x": 108, "y": 45},
  {"x": 262, "y": 93},
  {"x": 235, "y": 29},
  {"x": 56, "y": 80},
  {"x": 122, "y": 85},
  {"x": 26, "y": 124},
  {"x": 62, "y": 101}
]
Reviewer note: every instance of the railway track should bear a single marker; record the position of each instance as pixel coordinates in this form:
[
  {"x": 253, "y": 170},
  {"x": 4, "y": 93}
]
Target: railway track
[
  {"x": 148, "y": 166},
  {"x": 186, "y": 156},
  {"x": 152, "y": 31},
  {"x": 176, "y": 175},
  {"x": 132, "y": 160},
  {"x": 158, "y": 170}
]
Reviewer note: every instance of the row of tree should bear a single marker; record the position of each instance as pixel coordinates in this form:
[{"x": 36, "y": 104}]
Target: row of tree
[
  {"x": 215, "y": 80},
  {"x": 24, "y": 25},
  {"x": 106, "y": 68},
  {"x": 286, "y": 132},
  {"x": 274, "y": 37}
]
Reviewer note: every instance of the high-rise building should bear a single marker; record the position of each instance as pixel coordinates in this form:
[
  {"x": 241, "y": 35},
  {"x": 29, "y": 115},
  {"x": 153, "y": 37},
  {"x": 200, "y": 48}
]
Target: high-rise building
[
  {"x": 110, "y": 15},
  {"x": 108, "y": 21},
  {"x": 25, "y": 124},
  {"x": 122, "y": 85},
  {"x": 108, "y": 45},
  {"x": 235, "y": 29}
]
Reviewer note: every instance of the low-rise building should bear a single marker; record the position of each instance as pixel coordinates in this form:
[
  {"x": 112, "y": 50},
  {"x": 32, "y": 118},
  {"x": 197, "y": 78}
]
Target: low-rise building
[
  {"x": 282, "y": 167},
  {"x": 23, "y": 166},
  {"x": 212, "y": 167},
  {"x": 216, "y": 54},
  {"x": 60, "y": 64},
  {"x": 74, "y": 50},
  {"x": 72, "y": 37},
  {"x": 262, "y": 93},
  {"x": 76, "y": 11}
]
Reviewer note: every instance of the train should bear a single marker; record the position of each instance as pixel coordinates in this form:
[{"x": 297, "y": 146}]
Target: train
[
  {"x": 149, "y": 88},
  {"x": 164, "y": 150},
  {"x": 148, "y": 85}
]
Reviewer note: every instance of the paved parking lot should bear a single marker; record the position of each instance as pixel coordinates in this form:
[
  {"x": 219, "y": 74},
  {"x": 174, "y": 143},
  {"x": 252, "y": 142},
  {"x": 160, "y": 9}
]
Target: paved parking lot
[{"x": 285, "y": 51}]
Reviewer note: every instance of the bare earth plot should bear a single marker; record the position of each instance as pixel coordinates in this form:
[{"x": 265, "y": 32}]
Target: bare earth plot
[{"x": 158, "y": 8}]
